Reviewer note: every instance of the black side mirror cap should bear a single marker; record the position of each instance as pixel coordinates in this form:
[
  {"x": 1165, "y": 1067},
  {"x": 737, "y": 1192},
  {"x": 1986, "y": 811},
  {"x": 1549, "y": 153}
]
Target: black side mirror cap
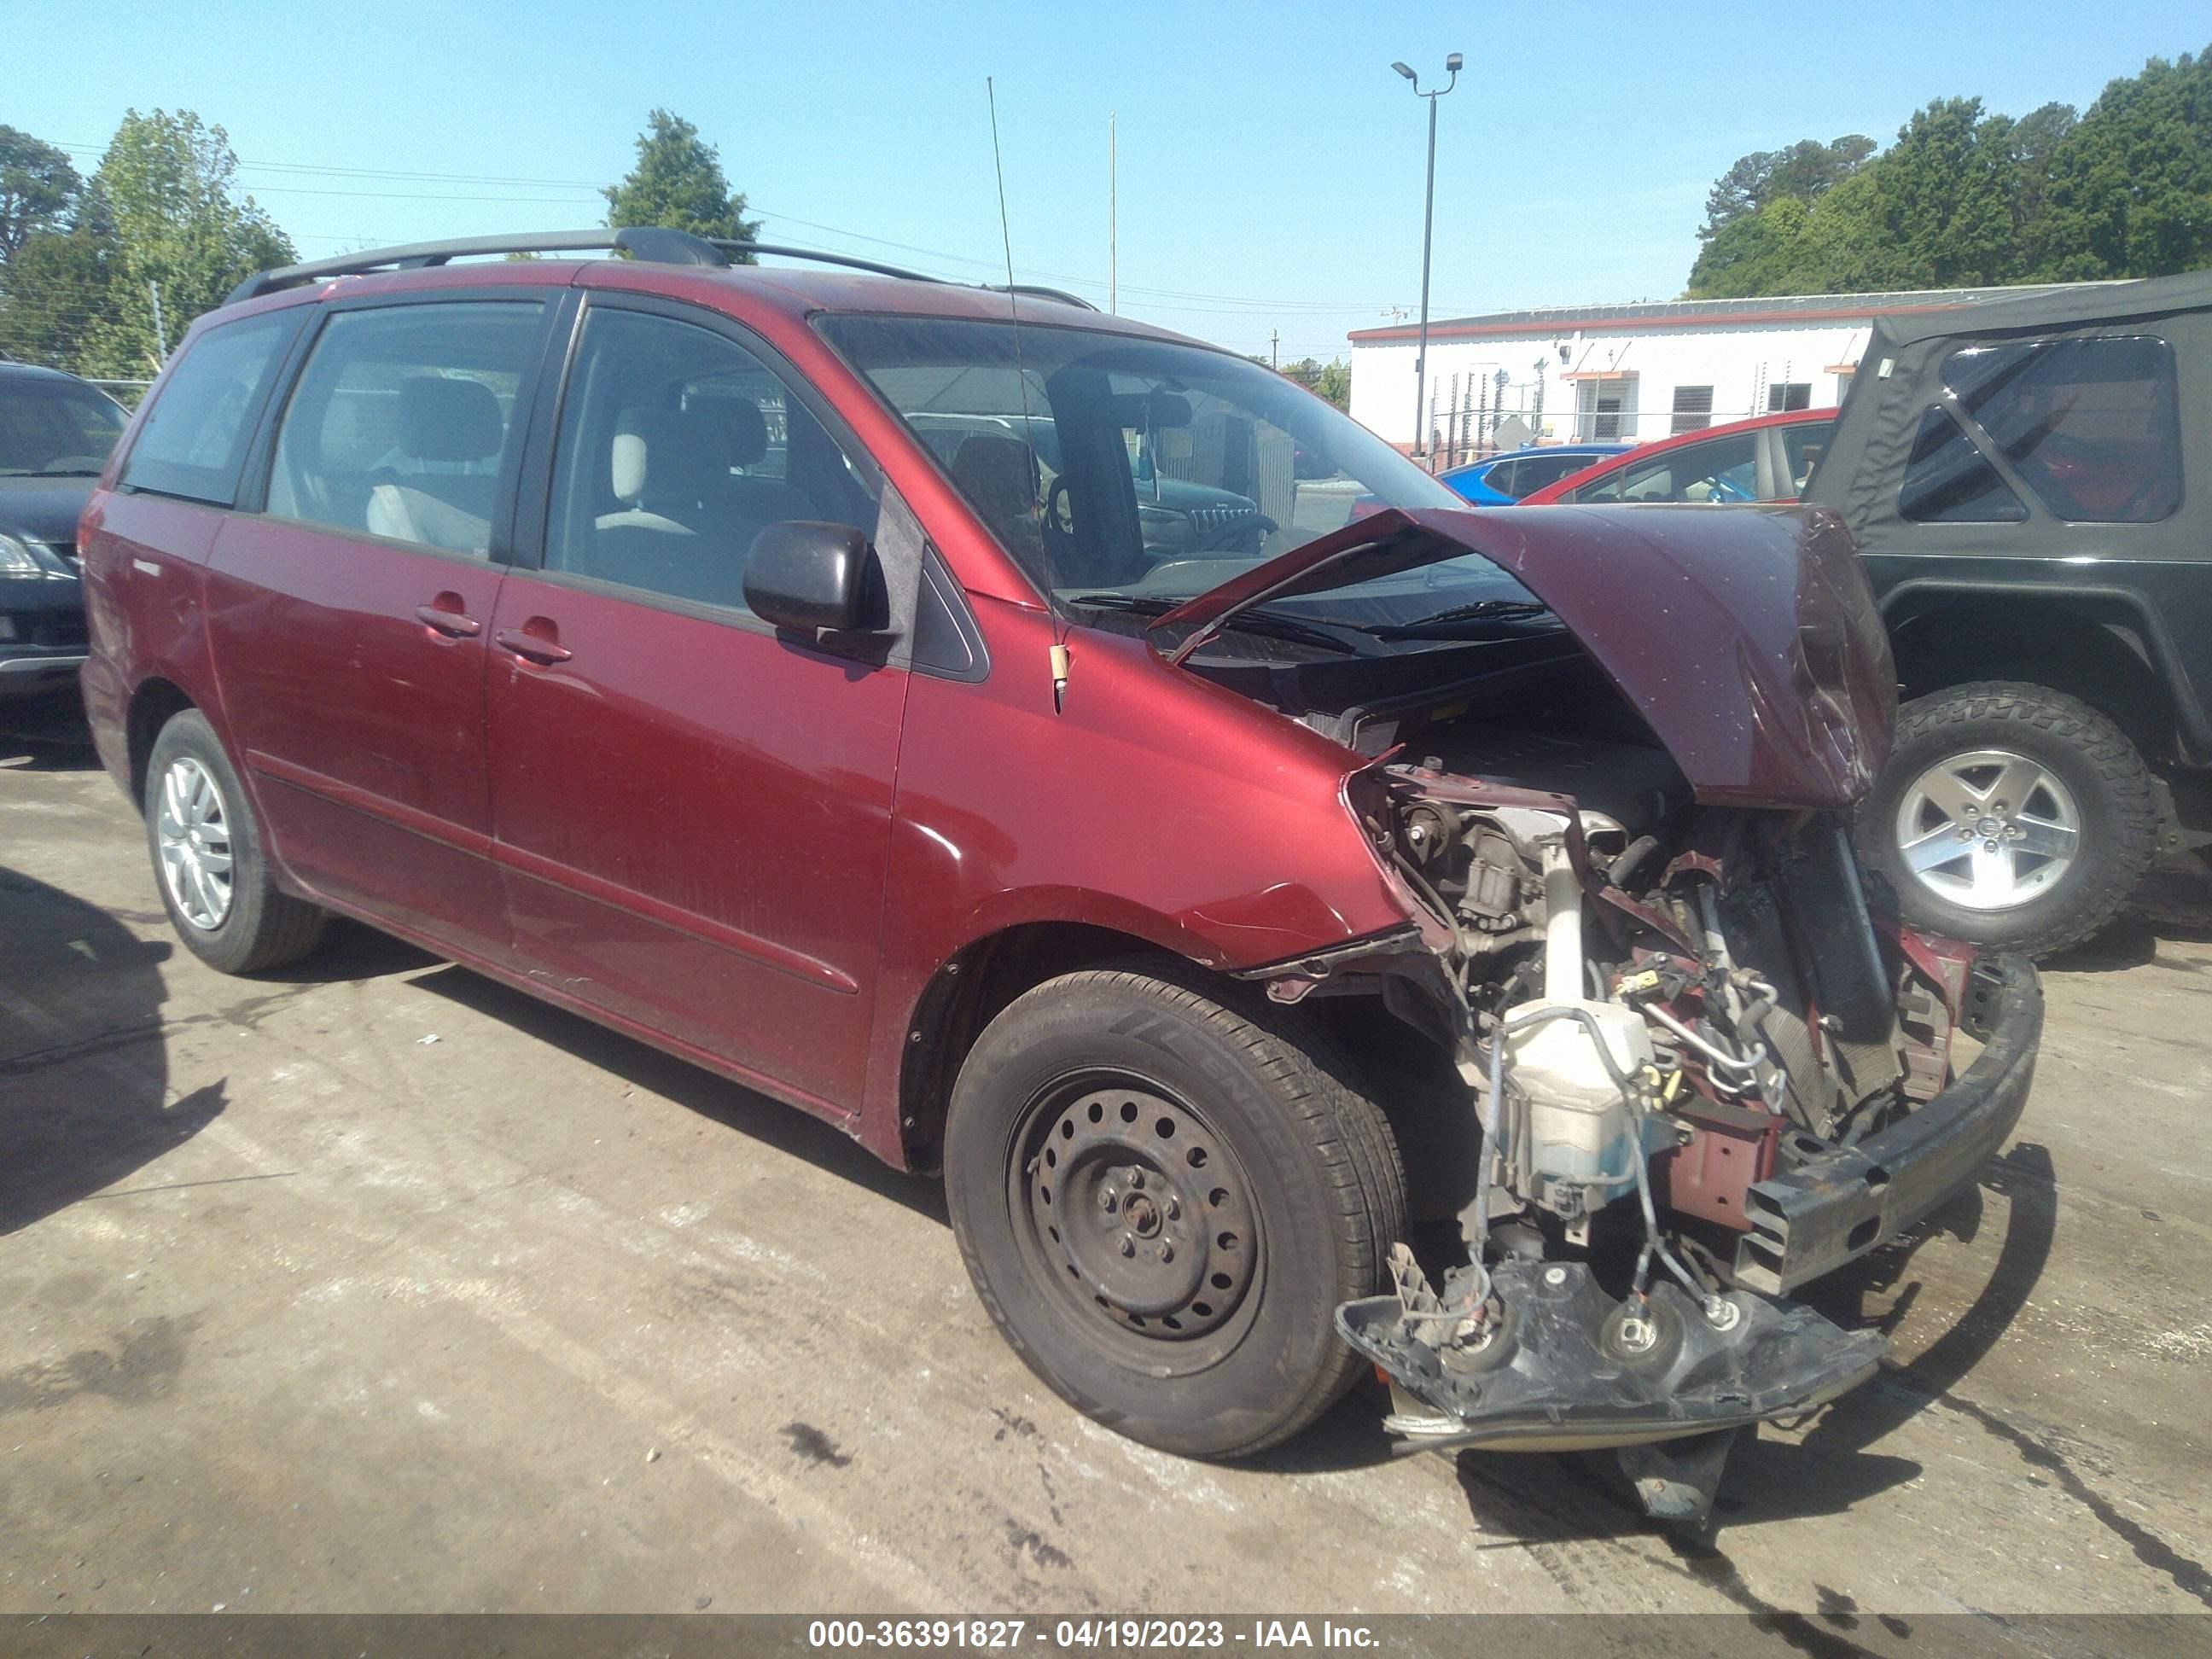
[{"x": 812, "y": 577}]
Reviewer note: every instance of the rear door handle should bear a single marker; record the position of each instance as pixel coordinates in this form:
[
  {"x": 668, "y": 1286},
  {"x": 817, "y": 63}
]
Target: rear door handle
[
  {"x": 448, "y": 619},
  {"x": 537, "y": 647}
]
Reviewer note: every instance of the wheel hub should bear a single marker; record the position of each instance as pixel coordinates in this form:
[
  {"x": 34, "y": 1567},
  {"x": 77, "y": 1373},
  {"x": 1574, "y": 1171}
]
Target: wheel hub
[
  {"x": 1132, "y": 1199},
  {"x": 1988, "y": 829}
]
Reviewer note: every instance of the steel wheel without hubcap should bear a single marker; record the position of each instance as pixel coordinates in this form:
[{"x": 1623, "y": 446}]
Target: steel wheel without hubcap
[
  {"x": 1140, "y": 1217},
  {"x": 1989, "y": 829},
  {"x": 192, "y": 834}
]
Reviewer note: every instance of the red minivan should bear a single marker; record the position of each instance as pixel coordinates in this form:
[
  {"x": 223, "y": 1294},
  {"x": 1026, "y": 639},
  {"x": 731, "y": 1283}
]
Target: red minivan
[{"x": 1430, "y": 940}]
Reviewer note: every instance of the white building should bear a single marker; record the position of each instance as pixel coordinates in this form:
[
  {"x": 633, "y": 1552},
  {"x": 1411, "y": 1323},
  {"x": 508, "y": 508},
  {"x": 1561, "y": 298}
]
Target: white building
[{"x": 1625, "y": 373}]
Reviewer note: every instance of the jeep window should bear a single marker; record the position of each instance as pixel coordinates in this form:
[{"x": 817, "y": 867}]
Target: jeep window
[
  {"x": 193, "y": 440},
  {"x": 678, "y": 447},
  {"x": 1116, "y": 467},
  {"x": 401, "y": 419},
  {"x": 1948, "y": 482},
  {"x": 2091, "y": 425},
  {"x": 55, "y": 428}
]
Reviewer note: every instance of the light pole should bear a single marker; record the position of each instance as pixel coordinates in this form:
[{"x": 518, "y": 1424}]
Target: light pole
[{"x": 1428, "y": 219}]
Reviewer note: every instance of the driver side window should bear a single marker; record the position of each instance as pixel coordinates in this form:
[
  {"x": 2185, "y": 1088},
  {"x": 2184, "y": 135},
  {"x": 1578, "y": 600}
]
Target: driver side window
[{"x": 677, "y": 447}]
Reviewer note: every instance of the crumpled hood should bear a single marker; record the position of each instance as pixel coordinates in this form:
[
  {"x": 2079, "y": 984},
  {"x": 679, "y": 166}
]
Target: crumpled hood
[{"x": 1747, "y": 636}]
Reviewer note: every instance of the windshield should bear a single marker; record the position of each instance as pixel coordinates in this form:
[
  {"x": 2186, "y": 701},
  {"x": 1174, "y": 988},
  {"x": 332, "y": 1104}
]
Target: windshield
[
  {"x": 1126, "y": 473},
  {"x": 55, "y": 428}
]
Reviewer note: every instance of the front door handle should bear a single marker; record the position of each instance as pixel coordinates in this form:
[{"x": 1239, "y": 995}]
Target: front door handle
[
  {"x": 444, "y": 615},
  {"x": 537, "y": 640}
]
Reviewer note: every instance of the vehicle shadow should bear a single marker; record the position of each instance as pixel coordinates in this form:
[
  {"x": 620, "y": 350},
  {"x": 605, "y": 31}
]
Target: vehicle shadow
[
  {"x": 46, "y": 734},
  {"x": 2173, "y": 906},
  {"x": 715, "y": 1098},
  {"x": 75, "y": 987}
]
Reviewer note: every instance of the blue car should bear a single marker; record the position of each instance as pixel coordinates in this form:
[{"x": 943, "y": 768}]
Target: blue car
[{"x": 1502, "y": 480}]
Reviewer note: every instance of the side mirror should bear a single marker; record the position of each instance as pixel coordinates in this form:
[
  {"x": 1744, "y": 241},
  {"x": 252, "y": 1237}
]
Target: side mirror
[{"x": 811, "y": 577}]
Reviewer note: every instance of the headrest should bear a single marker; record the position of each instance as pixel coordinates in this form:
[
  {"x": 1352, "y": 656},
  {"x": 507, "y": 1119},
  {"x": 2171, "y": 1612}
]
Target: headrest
[
  {"x": 448, "y": 420},
  {"x": 731, "y": 429},
  {"x": 1000, "y": 475},
  {"x": 665, "y": 457}
]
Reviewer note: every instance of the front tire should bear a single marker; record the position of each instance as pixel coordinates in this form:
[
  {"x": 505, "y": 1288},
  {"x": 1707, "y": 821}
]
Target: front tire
[
  {"x": 214, "y": 880},
  {"x": 2010, "y": 815},
  {"x": 1163, "y": 1199}
]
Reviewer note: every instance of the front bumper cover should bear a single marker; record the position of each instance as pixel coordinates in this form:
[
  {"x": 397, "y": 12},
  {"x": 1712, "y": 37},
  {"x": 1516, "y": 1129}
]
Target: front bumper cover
[{"x": 1844, "y": 1203}]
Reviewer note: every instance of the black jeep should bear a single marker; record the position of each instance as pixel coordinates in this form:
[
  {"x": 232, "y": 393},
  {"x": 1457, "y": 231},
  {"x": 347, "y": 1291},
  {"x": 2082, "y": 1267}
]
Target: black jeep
[{"x": 2018, "y": 479}]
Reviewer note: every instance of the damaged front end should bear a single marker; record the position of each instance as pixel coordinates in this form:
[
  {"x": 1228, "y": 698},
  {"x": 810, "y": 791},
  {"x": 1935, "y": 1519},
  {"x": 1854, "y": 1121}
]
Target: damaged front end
[
  {"x": 1704, "y": 1073},
  {"x": 1704, "y": 1065}
]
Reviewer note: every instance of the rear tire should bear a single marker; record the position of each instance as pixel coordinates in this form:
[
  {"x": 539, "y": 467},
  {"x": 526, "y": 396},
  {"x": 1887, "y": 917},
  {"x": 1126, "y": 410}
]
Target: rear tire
[
  {"x": 2083, "y": 792},
  {"x": 214, "y": 879},
  {"x": 1163, "y": 1199}
]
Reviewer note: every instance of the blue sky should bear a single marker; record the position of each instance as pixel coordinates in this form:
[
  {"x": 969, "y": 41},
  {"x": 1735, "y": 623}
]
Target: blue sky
[{"x": 1270, "y": 162}]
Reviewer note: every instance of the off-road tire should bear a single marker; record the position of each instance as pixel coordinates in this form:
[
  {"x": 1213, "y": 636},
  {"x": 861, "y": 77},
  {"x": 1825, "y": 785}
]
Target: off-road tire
[
  {"x": 264, "y": 927},
  {"x": 2111, "y": 784},
  {"x": 1319, "y": 1170}
]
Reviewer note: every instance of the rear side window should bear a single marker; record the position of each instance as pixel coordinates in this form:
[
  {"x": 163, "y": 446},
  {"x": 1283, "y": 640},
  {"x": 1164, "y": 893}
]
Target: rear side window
[
  {"x": 193, "y": 442},
  {"x": 1504, "y": 478},
  {"x": 403, "y": 422},
  {"x": 1948, "y": 482},
  {"x": 1538, "y": 471},
  {"x": 2090, "y": 425}
]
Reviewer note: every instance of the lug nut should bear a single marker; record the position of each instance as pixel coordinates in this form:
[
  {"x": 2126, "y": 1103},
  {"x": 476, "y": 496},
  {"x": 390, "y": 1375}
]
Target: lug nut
[
  {"x": 1965, "y": 834},
  {"x": 1108, "y": 1197},
  {"x": 1174, "y": 1209},
  {"x": 1167, "y": 1251},
  {"x": 1989, "y": 846},
  {"x": 1137, "y": 1179},
  {"x": 1128, "y": 1244}
]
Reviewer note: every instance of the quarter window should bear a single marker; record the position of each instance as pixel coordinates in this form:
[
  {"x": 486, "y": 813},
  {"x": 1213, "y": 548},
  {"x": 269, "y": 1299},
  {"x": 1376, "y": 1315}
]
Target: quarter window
[
  {"x": 2090, "y": 425},
  {"x": 677, "y": 447},
  {"x": 193, "y": 441},
  {"x": 402, "y": 422}
]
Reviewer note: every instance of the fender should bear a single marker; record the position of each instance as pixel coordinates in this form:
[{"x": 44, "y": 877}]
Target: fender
[{"x": 2165, "y": 658}]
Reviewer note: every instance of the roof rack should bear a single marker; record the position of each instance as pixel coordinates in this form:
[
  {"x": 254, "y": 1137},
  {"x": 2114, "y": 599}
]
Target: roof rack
[{"x": 650, "y": 242}]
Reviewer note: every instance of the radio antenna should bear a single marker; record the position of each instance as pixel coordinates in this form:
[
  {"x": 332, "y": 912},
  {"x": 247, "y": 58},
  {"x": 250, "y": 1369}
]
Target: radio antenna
[{"x": 1060, "y": 655}]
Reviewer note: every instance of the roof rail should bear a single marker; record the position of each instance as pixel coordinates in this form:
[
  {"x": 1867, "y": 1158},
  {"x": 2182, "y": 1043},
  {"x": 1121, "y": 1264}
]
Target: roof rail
[{"x": 662, "y": 246}]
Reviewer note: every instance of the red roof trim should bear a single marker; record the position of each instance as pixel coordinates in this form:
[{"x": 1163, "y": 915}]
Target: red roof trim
[{"x": 1569, "y": 325}]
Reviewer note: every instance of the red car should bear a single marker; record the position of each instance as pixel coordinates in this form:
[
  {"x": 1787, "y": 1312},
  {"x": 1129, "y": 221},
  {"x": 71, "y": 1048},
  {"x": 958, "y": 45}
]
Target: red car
[
  {"x": 1766, "y": 459},
  {"x": 773, "y": 665}
]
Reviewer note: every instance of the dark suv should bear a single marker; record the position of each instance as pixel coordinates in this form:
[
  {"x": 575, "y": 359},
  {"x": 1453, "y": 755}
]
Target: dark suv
[
  {"x": 56, "y": 432},
  {"x": 712, "y": 652},
  {"x": 2015, "y": 478}
]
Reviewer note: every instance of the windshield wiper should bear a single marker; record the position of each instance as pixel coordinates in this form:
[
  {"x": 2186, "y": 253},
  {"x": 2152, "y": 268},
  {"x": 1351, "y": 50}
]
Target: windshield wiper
[
  {"x": 1444, "y": 623},
  {"x": 1265, "y": 624}
]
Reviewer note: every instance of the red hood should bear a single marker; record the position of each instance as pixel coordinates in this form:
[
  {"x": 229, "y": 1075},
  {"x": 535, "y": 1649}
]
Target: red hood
[{"x": 1747, "y": 636}]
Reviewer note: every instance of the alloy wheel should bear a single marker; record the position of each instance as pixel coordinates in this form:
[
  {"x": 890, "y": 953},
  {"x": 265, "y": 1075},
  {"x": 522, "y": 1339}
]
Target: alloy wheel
[
  {"x": 192, "y": 829},
  {"x": 1989, "y": 829}
]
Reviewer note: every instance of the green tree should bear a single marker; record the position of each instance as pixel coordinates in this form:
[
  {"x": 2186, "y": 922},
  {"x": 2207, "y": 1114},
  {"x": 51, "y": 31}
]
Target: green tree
[
  {"x": 37, "y": 189},
  {"x": 2129, "y": 188},
  {"x": 168, "y": 183},
  {"x": 677, "y": 184},
  {"x": 1968, "y": 198},
  {"x": 54, "y": 290},
  {"x": 1807, "y": 169},
  {"x": 1334, "y": 382}
]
